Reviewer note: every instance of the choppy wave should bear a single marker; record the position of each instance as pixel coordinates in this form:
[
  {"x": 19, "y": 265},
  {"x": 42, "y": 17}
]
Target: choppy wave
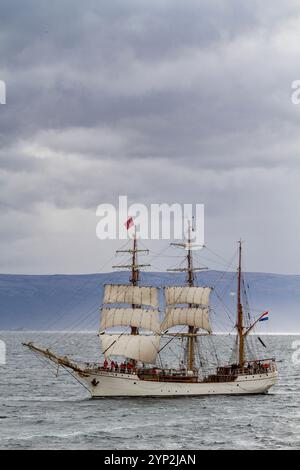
[{"x": 39, "y": 411}]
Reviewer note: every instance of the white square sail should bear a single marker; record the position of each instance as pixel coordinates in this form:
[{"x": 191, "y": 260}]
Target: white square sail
[
  {"x": 126, "y": 294},
  {"x": 187, "y": 295},
  {"x": 196, "y": 317},
  {"x": 140, "y": 348},
  {"x": 134, "y": 317}
]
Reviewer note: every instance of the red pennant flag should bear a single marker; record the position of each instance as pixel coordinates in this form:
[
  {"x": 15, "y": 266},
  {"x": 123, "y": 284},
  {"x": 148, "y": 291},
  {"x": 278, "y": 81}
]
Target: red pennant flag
[{"x": 129, "y": 223}]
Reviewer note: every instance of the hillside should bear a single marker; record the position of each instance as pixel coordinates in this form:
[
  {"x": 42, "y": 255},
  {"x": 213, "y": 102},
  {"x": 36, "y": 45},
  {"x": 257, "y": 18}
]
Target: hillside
[{"x": 61, "y": 302}]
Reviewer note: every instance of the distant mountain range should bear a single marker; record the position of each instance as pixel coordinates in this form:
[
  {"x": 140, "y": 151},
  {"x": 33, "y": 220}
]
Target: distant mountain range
[{"x": 61, "y": 302}]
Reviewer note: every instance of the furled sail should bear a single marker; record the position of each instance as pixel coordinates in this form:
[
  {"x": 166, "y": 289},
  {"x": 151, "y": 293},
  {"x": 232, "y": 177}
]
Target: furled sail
[
  {"x": 135, "y": 317},
  {"x": 127, "y": 294},
  {"x": 197, "y": 317},
  {"x": 187, "y": 295},
  {"x": 140, "y": 348}
]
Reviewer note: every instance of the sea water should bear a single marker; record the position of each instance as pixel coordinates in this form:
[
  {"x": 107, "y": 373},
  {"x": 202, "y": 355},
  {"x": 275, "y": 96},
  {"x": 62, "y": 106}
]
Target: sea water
[{"x": 41, "y": 411}]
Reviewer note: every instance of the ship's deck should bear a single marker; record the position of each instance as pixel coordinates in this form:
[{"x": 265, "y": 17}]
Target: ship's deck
[{"x": 228, "y": 373}]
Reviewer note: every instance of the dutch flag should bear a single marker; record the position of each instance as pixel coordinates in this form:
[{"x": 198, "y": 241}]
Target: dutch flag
[{"x": 264, "y": 317}]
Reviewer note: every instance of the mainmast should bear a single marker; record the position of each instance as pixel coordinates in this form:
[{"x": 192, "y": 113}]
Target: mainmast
[
  {"x": 240, "y": 319},
  {"x": 192, "y": 330}
]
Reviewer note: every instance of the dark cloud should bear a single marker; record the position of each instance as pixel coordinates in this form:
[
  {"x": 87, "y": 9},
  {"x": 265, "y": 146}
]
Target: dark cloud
[{"x": 164, "y": 101}]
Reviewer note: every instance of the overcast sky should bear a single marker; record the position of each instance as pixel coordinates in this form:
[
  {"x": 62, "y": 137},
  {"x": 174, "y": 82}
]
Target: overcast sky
[{"x": 161, "y": 100}]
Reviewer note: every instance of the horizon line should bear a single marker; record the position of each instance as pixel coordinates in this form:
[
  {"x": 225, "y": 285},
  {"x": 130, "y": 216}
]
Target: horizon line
[
  {"x": 143, "y": 272},
  {"x": 217, "y": 333}
]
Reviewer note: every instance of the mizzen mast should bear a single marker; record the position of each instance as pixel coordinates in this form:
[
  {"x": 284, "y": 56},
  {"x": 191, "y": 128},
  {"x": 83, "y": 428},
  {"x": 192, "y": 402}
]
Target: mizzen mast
[
  {"x": 240, "y": 315},
  {"x": 191, "y": 329}
]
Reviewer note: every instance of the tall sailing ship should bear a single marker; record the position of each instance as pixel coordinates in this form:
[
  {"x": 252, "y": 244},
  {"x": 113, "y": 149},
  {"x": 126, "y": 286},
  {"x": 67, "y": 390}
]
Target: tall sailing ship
[{"x": 132, "y": 363}]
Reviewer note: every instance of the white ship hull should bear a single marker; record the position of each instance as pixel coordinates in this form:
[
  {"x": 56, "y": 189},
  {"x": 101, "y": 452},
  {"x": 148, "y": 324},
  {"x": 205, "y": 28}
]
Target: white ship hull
[{"x": 110, "y": 384}]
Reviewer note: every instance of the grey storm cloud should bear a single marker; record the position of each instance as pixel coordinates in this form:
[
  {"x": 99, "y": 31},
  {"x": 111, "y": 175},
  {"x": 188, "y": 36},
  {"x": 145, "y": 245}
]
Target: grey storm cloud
[{"x": 166, "y": 101}]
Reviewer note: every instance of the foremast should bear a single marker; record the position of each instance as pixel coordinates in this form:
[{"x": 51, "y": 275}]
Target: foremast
[
  {"x": 135, "y": 307},
  {"x": 134, "y": 267}
]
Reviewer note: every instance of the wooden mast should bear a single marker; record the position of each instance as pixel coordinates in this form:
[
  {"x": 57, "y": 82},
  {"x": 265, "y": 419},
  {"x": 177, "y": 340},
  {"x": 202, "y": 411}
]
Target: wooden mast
[
  {"x": 134, "y": 275},
  {"x": 240, "y": 319},
  {"x": 135, "y": 269},
  {"x": 191, "y": 330}
]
